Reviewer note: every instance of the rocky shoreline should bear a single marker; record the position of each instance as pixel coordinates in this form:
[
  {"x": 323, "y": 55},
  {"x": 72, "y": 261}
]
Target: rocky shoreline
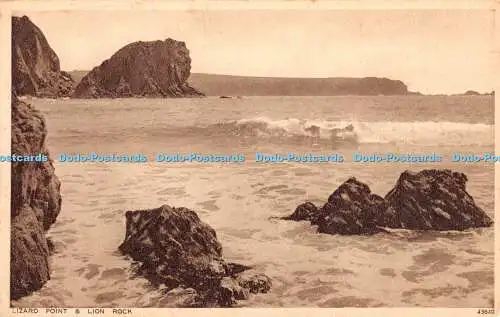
[
  {"x": 35, "y": 202},
  {"x": 35, "y": 188},
  {"x": 428, "y": 200}
]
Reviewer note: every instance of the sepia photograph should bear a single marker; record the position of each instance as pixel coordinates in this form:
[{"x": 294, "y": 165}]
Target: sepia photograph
[{"x": 252, "y": 159}]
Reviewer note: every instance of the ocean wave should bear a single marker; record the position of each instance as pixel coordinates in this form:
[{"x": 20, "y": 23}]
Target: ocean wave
[
  {"x": 295, "y": 130},
  {"x": 381, "y": 132}
]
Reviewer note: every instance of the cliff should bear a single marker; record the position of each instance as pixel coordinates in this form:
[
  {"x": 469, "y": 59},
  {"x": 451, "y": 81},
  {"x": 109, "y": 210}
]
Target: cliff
[
  {"x": 35, "y": 66},
  {"x": 35, "y": 203},
  {"x": 226, "y": 85},
  {"x": 141, "y": 69}
]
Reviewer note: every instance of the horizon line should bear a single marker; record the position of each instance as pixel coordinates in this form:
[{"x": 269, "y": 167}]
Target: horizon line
[{"x": 309, "y": 78}]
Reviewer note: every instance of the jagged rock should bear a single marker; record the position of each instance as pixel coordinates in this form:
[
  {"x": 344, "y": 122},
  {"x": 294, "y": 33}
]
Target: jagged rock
[
  {"x": 435, "y": 200},
  {"x": 230, "y": 291},
  {"x": 35, "y": 66},
  {"x": 305, "y": 211},
  {"x": 180, "y": 297},
  {"x": 255, "y": 282},
  {"x": 351, "y": 209},
  {"x": 177, "y": 249},
  {"x": 35, "y": 189},
  {"x": 35, "y": 203},
  {"x": 141, "y": 69},
  {"x": 428, "y": 200},
  {"x": 235, "y": 268}
]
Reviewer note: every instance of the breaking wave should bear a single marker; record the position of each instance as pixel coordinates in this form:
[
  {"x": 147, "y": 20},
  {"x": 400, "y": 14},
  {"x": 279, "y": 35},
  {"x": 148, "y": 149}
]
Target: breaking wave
[{"x": 385, "y": 132}]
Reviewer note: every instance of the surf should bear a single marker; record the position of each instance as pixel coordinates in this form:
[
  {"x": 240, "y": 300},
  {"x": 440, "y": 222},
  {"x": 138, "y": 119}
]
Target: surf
[{"x": 353, "y": 132}]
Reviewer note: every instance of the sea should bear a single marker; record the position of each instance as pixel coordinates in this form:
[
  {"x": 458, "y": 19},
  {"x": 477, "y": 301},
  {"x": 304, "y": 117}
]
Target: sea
[{"x": 241, "y": 200}]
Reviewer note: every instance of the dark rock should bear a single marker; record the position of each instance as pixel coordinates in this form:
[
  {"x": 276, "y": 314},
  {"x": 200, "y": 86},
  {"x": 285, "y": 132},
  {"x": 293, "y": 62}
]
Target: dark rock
[
  {"x": 230, "y": 291},
  {"x": 352, "y": 209},
  {"x": 50, "y": 245},
  {"x": 235, "y": 268},
  {"x": 305, "y": 211},
  {"x": 141, "y": 69},
  {"x": 435, "y": 200},
  {"x": 35, "y": 66},
  {"x": 180, "y": 297},
  {"x": 35, "y": 201},
  {"x": 428, "y": 200},
  {"x": 177, "y": 249},
  {"x": 255, "y": 282}
]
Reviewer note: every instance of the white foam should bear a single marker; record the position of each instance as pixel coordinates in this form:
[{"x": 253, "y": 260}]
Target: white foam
[{"x": 419, "y": 132}]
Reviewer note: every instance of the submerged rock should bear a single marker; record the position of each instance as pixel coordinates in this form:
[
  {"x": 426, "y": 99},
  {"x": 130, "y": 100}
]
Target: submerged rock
[
  {"x": 35, "y": 65},
  {"x": 305, "y": 211},
  {"x": 141, "y": 69},
  {"x": 428, "y": 200},
  {"x": 35, "y": 202},
  {"x": 177, "y": 249},
  {"x": 435, "y": 200}
]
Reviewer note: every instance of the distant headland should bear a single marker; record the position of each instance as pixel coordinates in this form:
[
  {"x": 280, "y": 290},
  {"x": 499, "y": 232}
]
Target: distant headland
[{"x": 229, "y": 85}]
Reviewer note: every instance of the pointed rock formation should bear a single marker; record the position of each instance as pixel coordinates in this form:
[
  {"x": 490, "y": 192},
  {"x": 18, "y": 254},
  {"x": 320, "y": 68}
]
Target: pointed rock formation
[
  {"x": 141, "y": 69},
  {"x": 35, "y": 66}
]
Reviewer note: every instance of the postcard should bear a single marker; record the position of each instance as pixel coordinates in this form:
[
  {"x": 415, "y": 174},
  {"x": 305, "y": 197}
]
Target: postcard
[{"x": 234, "y": 158}]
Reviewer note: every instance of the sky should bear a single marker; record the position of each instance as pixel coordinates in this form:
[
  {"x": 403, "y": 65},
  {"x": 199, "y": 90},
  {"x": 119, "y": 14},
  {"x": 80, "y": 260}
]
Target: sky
[{"x": 432, "y": 51}]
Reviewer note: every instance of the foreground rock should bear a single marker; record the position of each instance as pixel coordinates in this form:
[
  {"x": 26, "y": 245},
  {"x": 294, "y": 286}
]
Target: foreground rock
[
  {"x": 35, "y": 204},
  {"x": 177, "y": 249},
  {"x": 141, "y": 69},
  {"x": 35, "y": 66},
  {"x": 435, "y": 200},
  {"x": 352, "y": 209},
  {"x": 428, "y": 200}
]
